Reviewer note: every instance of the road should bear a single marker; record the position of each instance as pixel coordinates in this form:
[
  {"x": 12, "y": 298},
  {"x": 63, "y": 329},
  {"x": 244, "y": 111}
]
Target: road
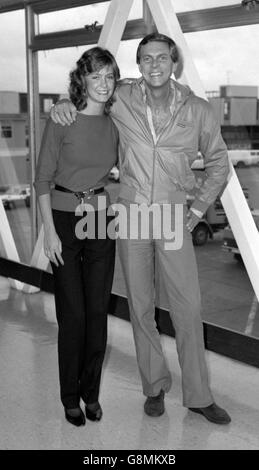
[{"x": 249, "y": 178}]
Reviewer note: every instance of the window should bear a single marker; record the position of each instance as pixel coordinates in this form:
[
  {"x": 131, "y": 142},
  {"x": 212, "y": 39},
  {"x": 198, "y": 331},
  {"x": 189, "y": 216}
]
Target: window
[
  {"x": 14, "y": 162},
  {"x": 6, "y": 132},
  {"x": 188, "y": 5},
  {"x": 226, "y": 109},
  {"x": 47, "y": 103},
  {"x": 87, "y": 16}
]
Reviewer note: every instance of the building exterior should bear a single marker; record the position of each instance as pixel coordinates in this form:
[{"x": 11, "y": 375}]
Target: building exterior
[
  {"x": 238, "y": 110},
  {"x": 14, "y": 140}
]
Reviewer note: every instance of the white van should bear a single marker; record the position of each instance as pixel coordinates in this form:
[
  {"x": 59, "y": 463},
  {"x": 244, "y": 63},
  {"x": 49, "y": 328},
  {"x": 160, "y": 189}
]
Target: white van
[{"x": 243, "y": 158}]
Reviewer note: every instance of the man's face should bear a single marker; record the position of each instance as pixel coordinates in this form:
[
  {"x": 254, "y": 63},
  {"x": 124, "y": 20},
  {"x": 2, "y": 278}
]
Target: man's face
[{"x": 156, "y": 65}]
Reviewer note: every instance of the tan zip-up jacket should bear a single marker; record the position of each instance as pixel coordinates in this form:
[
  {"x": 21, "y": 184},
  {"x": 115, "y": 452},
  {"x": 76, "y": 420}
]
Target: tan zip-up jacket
[{"x": 159, "y": 170}]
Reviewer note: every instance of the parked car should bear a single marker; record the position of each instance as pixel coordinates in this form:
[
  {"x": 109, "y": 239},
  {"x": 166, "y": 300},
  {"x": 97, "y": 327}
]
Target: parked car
[
  {"x": 243, "y": 158},
  {"x": 213, "y": 220},
  {"x": 229, "y": 242},
  {"x": 15, "y": 194},
  {"x": 239, "y": 158}
]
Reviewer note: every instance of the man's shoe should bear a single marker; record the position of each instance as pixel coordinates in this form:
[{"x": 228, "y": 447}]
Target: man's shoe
[
  {"x": 213, "y": 413},
  {"x": 154, "y": 406}
]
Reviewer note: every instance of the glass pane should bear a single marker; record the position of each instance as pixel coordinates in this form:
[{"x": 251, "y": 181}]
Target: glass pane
[
  {"x": 225, "y": 61},
  {"x": 54, "y": 68},
  {"x": 126, "y": 58},
  {"x": 79, "y": 17},
  {"x": 14, "y": 148},
  {"x": 190, "y": 5},
  {"x": 55, "y": 65},
  {"x": 226, "y": 56}
]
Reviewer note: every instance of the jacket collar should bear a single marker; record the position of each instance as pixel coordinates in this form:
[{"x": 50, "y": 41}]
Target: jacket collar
[{"x": 181, "y": 92}]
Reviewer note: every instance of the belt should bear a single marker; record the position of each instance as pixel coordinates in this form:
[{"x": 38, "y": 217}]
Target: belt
[{"x": 81, "y": 194}]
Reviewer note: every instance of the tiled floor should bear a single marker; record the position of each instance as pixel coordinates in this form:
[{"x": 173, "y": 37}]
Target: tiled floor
[{"x": 32, "y": 416}]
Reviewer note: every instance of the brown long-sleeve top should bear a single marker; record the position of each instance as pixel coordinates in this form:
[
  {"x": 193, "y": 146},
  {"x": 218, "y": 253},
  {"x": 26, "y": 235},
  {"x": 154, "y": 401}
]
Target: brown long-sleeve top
[{"x": 77, "y": 157}]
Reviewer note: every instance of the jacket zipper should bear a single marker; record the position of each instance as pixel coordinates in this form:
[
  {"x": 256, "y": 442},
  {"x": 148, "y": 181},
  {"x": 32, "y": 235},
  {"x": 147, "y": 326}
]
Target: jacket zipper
[
  {"x": 154, "y": 150},
  {"x": 153, "y": 176}
]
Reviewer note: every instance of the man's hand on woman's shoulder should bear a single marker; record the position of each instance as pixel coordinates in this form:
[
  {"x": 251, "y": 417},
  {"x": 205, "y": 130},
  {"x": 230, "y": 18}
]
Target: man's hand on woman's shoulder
[{"x": 63, "y": 112}]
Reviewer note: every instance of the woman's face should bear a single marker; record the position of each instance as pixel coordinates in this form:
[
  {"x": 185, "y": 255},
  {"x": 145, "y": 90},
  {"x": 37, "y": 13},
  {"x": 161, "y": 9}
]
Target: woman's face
[{"x": 100, "y": 85}]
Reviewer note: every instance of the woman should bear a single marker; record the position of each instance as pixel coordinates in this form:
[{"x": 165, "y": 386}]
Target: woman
[{"x": 77, "y": 160}]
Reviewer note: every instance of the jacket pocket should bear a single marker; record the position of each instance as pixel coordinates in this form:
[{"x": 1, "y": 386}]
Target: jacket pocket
[
  {"x": 134, "y": 168},
  {"x": 184, "y": 124},
  {"x": 177, "y": 167}
]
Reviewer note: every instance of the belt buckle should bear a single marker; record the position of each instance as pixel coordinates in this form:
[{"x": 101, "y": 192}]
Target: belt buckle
[
  {"x": 88, "y": 193},
  {"x": 81, "y": 195}
]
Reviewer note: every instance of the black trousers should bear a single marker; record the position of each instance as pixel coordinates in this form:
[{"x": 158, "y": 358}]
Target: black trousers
[{"x": 82, "y": 293}]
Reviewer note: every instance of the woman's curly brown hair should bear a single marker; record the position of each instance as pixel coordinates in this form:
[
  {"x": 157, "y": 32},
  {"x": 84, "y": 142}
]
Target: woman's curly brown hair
[{"x": 91, "y": 61}]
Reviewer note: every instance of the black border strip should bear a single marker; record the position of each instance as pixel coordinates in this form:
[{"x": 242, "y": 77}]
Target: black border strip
[{"x": 220, "y": 340}]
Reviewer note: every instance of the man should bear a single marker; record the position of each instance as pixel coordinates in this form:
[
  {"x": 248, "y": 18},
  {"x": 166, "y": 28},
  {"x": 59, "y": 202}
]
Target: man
[{"x": 162, "y": 126}]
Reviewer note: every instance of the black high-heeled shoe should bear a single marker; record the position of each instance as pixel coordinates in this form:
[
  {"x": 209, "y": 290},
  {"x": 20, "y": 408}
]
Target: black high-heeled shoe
[
  {"x": 94, "y": 415},
  {"x": 75, "y": 420}
]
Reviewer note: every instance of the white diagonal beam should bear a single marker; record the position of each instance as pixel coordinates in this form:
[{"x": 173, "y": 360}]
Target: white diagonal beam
[
  {"x": 9, "y": 243},
  {"x": 167, "y": 23},
  {"x": 243, "y": 227},
  {"x": 114, "y": 24}
]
